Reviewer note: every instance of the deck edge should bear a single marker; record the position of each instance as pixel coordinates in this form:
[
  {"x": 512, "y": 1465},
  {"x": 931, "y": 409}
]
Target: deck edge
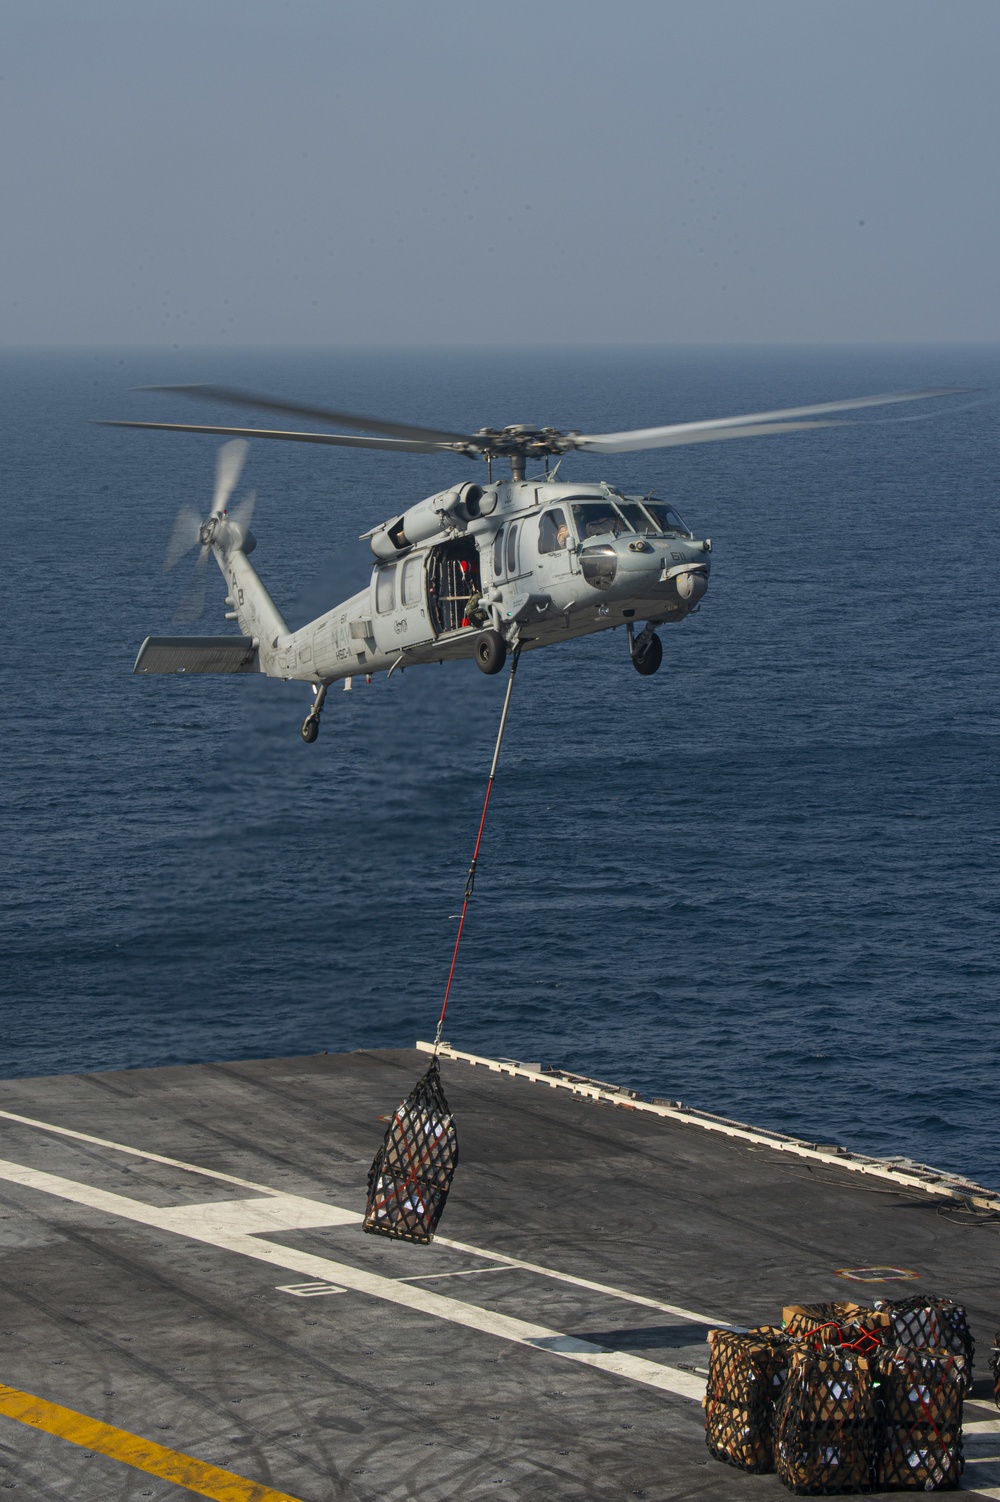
[{"x": 903, "y": 1172}]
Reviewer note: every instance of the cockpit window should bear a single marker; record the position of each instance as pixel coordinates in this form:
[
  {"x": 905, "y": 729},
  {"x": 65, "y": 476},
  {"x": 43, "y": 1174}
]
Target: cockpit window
[
  {"x": 597, "y": 519},
  {"x": 665, "y": 517},
  {"x": 638, "y": 519},
  {"x": 553, "y": 533}
]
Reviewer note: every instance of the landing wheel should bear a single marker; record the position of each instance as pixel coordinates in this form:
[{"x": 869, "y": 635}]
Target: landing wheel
[
  {"x": 491, "y": 652},
  {"x": 647, "y": 661},
  {"x": 310, "y": 729}
]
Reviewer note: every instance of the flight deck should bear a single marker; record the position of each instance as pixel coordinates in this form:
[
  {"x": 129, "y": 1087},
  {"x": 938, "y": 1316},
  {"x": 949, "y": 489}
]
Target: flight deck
[{"x": 190, "y": 1307}]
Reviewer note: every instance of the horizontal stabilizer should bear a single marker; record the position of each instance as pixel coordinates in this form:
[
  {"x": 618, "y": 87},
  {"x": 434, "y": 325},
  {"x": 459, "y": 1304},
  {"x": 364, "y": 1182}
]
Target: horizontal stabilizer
[{"x": 197, "y": 654}]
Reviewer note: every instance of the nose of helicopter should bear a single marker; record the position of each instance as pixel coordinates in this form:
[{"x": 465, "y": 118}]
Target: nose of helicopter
[
  {"x": 673, "y": 570},
  {"x": 691, "y": 585},
  {"x": 680, "y": 566}
]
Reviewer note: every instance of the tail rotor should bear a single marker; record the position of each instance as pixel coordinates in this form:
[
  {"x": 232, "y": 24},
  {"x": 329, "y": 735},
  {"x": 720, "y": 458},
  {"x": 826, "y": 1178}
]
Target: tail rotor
[
  {"x": 189, "y": 530},
  {"x": 228, "y": 468},
  {"x": 183, "y": 537}
]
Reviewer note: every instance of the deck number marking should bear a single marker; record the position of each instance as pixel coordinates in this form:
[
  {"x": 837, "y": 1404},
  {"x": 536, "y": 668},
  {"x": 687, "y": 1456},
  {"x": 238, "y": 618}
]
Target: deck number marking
[{"x": 310, "y": 1290}]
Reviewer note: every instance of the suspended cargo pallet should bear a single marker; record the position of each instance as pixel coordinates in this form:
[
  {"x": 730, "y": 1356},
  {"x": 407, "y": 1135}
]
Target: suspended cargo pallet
[{"x": 410, "y": 1178}]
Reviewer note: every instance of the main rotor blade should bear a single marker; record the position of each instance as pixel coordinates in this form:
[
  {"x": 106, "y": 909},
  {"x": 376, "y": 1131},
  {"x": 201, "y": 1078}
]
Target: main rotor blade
[
  {"x": 693, "y": 433},
  {"x": 739, "y": 427},
  {"x": 228, "y": 466},
  {"x": 235, "y": 398},
  {"x": 402, "y": 445}
]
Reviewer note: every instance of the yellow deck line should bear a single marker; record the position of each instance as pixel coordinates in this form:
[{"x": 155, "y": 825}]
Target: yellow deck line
[{"x": 170, "y": 1465}]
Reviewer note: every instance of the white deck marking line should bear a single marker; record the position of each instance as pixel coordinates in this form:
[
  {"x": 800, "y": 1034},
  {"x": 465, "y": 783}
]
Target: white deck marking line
[
  {"x": 458, "y": 1246},
  {"x": 199, "y": 1223},
  {"x": 464, "y": 1272},
  {"x": 551, "y": 1272},
  {"x": 138, "y": 1152}
]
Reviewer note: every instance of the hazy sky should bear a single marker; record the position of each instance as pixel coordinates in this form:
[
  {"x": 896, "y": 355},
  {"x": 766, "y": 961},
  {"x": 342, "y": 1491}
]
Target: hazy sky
[{"x": 229, "y": 172}]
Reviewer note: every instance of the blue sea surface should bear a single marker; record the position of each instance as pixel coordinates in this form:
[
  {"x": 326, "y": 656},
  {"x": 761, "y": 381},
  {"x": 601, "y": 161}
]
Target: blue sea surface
[{"x": 764, "y": 881}]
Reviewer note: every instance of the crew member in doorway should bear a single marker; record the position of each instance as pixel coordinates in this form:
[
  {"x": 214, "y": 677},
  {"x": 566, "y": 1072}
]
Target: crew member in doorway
[{"x": 475, "y": 615}]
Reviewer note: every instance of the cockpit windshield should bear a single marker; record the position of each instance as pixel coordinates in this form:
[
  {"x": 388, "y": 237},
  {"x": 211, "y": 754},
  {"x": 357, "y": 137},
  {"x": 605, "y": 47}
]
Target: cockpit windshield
[
  {"x": 666, "y": 519},
  {"x": 637, "y": 519},
  {"x": 598, "y": 519},
  {"x": 612, "y": 518}
]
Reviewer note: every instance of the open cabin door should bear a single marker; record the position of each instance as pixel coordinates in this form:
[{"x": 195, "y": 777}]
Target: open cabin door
[{"x": 454, "y": 582}]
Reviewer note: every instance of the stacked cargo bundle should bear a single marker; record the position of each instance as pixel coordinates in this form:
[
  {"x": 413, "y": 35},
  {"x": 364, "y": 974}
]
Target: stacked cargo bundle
[
  {"x": 842, "y": 1324},
  {"x": 803, "y": 1319},
  {"x": 920, "y": 1393},
  {"x": 825, "y": 1422},
  {"x": 925, "y": 1372},
  {"x": 930, "y": 1323},
  {"x": 843, "y": 1397},
  {"x": 746, "y": 1374}
]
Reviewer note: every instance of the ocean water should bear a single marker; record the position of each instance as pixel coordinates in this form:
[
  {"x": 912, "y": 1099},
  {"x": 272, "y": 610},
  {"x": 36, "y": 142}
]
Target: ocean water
[{"x": 764, "y": 881}]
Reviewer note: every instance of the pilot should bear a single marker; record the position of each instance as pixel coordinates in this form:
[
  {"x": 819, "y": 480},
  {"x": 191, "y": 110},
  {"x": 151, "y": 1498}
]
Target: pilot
[{"x": 562, "y": 535}]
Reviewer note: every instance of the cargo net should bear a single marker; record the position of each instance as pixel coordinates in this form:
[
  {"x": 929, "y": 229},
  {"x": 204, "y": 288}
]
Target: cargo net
[
  {"x": 745, "y": 1375},
  {"x": 845, "y": 1397},
  {"x": 409, "y": 1180},
  {"x": 850, "y": 1326},
  {"x": 920, "y": 1397},
  {"x": 826, "y": 1422},
  {"x": 930, "y": 1323}
]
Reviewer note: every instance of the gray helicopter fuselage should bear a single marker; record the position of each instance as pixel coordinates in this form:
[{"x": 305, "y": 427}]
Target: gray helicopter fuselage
[
  {"x": 471, "y": 571},
  {"x": 538, "y": 561}
]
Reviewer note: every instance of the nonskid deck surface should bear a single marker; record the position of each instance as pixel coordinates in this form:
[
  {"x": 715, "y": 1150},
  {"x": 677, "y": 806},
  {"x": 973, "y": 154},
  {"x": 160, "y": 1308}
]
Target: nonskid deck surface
[{"x": 210, "y": 1290}]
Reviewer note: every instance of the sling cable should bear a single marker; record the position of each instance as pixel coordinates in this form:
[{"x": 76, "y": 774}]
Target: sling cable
[{"x": 409, "y": 1180}]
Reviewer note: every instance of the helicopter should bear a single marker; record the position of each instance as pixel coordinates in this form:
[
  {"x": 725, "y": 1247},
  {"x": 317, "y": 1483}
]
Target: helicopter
[{"x": 476, "y": 570}]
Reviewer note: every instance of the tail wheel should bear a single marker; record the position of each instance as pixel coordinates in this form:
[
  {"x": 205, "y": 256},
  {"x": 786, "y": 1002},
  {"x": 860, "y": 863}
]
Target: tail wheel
[
  {"x": 310, "y": 729},
  {"x": 491, "y": 652},
  {"x": 648, "y": 661}
]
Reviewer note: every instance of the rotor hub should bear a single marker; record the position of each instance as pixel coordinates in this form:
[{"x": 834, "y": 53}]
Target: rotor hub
[{"x": 522, "y": 439}]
